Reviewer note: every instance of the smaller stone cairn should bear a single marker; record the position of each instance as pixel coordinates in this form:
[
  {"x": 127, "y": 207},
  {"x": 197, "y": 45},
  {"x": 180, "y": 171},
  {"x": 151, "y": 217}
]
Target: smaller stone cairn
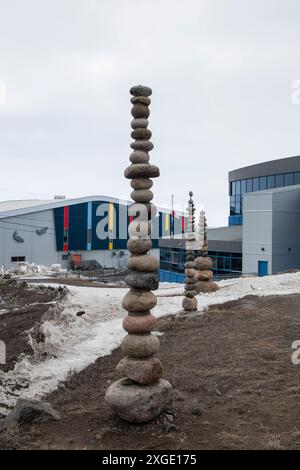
[
  {"x": 141, "y": 394},
  {"x": 189, "y": 302},
  {"x": 203, "y": 264}
]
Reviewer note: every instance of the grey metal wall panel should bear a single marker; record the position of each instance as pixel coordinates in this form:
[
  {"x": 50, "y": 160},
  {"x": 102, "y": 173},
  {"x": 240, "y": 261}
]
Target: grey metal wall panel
[{"x": 274, "y": 167}]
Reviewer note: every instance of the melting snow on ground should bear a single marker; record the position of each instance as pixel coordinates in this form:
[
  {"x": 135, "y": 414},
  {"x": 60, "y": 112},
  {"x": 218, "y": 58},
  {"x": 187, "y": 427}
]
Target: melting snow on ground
[{"x": 73, "y": 342}]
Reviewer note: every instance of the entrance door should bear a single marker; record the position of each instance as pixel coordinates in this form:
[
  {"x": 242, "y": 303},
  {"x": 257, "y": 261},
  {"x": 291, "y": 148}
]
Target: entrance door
[{"x": 262, "y": 268}]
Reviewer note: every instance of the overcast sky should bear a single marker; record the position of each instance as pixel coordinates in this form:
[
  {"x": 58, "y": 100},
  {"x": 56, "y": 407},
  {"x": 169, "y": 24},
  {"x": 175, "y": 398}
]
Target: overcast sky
[{"x": 221, "y": 71}]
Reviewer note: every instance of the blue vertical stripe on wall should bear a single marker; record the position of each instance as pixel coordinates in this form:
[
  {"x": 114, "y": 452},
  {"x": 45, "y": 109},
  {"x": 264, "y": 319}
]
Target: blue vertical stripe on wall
[
  {"x": 77, "y": 227},
  {"x": 89, "y": 225},
  {"x": 59, "y": 227}
]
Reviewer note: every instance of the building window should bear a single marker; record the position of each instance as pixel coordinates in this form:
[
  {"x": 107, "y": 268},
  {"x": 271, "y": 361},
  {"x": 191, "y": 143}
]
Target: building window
[
  {"x": 279, "y": 180},
  {"x": 255, "y": 184},
  {"x": 64, "y": 257},
  {"x": 249, "y": 186},
  {"x": 297, "y": 177},
  {"x": 237, "y": 187},
  {"x": 17, "y": 259},
  {"x": 243, "y": 186},
  {"x": 288, "y": 179},
  {"x": 263, "y": 183},
  {"x": 271, "y": 182}
]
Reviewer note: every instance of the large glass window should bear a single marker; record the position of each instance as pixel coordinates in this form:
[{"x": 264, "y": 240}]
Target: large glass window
[
  {"x": 255, "y": 184},
  {"x": 243, "y": 186},
  {"x": 271, "y": 182},
  {"x": 232, "y": 205},
  {"x": 249, "y": 185},
  {"x": 297, "y": 177},
  {"x": 237, "y": 187},
  {"x": 238, "y": 207},
  {"x": 288, "y": 179},
  {"x": 263, "y": 183},
  {"x": 279, "y": 181}
]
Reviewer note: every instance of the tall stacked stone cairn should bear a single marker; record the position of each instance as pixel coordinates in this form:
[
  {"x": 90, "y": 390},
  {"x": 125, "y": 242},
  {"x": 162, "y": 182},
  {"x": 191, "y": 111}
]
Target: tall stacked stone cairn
[
  {"x": 141, "y": 394},
  {"x": 203, "y": 264},
  {"x": 189, "y": 302}
]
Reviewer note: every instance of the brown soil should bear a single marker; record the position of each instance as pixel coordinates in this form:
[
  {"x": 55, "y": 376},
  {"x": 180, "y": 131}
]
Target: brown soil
[
  {"x": 235, "y": 386},
  {"x": 25, "y": 308}
]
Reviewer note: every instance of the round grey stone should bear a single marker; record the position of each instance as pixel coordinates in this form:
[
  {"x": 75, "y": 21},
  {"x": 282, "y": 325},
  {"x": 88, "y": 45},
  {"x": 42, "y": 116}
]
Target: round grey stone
[
  {"x": 144, "y": 145},
  {"x": 141, "y": 170},
  {"x": 138, "y": 156},
  {"x": 136, "y": 123},
  {"x": 146, "y": 281},
  {"x": 140, "y": 345},
  {"x": 140, "y": 111},
  {"x": 142, "y": 195},
  {"x": 141, "y": 134},
  {"x": 141, "y": 99},
  {"x": 143, "y": 263},
  {"x": 135, "y": 403},
  {"x": 141, "y": 183},
  {"x": 140, "y": 90},
  {"x": 139, "y": 300},
  {"x": 140, "y": 246}
]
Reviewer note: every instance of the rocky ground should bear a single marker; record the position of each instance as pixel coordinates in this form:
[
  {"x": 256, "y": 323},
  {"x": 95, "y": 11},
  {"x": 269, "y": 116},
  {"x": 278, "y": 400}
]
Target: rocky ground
[{"x": 235, "y": 387}]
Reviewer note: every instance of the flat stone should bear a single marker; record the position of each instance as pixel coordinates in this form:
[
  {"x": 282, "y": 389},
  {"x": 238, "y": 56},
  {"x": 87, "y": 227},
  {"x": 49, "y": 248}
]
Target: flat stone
[
  {"x": 140, "y": 246},
  {"x": 142, "y": 195},
  {"x": 139, "y": 300},
  {"x": 141, "y": 183},
  {"x": 206, "y": 287},
  {"x": 139, "y": 324},
  {"x": 190, "y": 287},
  {"x": 137, "y": 403},
  {"x": 190, "y": 294},
  {"x": 190, "y": 272},
  {"x": 136, "y": 123},
  {"x": 146, "y": 281},
  {"x": 203, "y": 263},
  {"x": 144, "y": 145},
  {"x": 142, "y": 371},
  {"x": 140, "y": 345},
  {"x": 139, "y": 229},
  {"x": 141, "y": 133},
  {"x": 140, "y": 111},
  {"x": 189, "y": 265},
  {"x": 141, "y": 99},
  {"x": 138, "y": 156},
  {"x": 189, "y": 304},
  {"x": 140, "y": 170},
  {"x": 189, "y": 280},
  {"x": 204, "y": 275},
  {"x": 140, "y": 90},
  {"x": 30, "y": 411},
  {"x": 143, "y": 263}
]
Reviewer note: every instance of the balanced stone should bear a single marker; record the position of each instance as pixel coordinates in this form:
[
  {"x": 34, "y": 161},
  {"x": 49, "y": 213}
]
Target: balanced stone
[
  {"x": 138, "y": 156},
  {"x": 205, "y": 287},
  {"x": 142, "y": 371},
  {"x": 135, "y": 209},
  {"x": 139, "y": 300},
  {"x": 140, "y": 90},
  {"x": 137, "y": 404},
  {"x": 139, "y": 170},
  {"x": 189, "y": 264},
  {"x": 140, "y": 111},
  {"x": 141, "y": 134},
  {"x": 190, "y": 294},
  {"x": 204, "y": 275},
  {"x": 141, "y": 183},
  {"x": 189, "y": 280},
  {"x": 139, "y": 246},
  {"x": 140, "y": 345},
  {"x": 144, "y": 145},
  {"x": 189, "y": 304},
  {"x": 140, "y": 324},
  {"x": 142, "y": 195},
  {"x": 143, "y": 263},
  {"x": 141, "y": 99},
  {"x": 136, "y": 123},
  {"x": 190, "y": 272},
  {"x": 203, "y": 263},
  {"x": 138, "y": 280}
]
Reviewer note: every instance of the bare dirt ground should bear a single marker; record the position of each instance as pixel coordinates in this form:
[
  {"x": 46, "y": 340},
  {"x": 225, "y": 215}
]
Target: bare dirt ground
[
  {"x": 235, "y": 387},
  {"x": 25, "y": 308}
]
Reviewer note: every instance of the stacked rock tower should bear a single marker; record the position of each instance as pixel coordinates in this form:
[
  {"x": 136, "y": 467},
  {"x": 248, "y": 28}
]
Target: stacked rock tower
[
  {"x": 189, "y": 302},
  {"x": 141, "y": 394},
  {"x": 203, "y": 263}
]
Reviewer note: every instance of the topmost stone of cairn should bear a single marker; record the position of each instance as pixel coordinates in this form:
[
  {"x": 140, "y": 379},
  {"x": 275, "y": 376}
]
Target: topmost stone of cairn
[{"x": 140, "y": 90}]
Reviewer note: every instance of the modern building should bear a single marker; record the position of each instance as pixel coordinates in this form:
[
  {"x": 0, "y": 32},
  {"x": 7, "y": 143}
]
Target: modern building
[{"x": 61, "y": 230}]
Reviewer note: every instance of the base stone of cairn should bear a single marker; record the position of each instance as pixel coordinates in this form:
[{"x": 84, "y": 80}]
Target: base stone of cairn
[
  {"x": 203, "y": 264},
  {"x": 141, "y": 394}
]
